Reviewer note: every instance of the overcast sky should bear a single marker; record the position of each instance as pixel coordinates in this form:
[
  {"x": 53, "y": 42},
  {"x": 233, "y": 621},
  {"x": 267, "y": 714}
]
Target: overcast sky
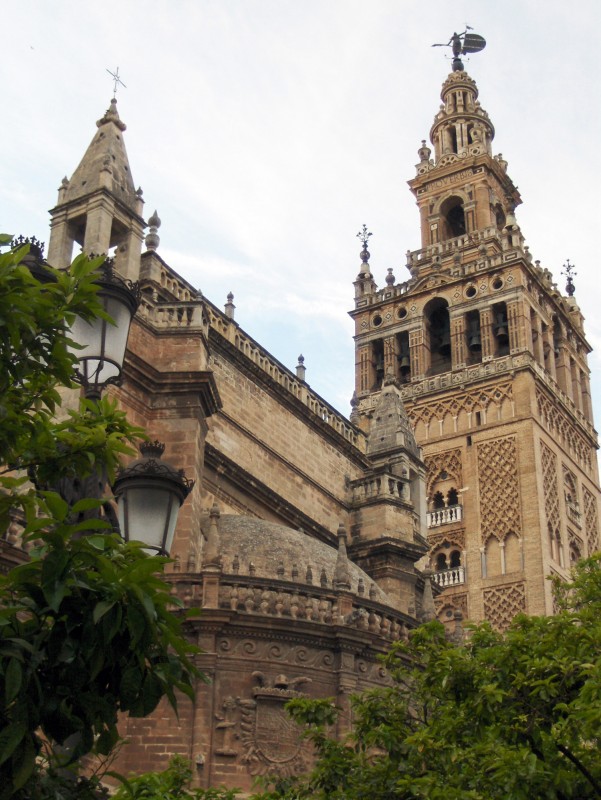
[{"x": 266, "y": 132}]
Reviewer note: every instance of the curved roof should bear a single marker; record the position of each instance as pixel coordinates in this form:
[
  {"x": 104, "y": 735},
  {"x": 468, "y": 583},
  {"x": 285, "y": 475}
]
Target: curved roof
[{"x": 263, "y": 548}]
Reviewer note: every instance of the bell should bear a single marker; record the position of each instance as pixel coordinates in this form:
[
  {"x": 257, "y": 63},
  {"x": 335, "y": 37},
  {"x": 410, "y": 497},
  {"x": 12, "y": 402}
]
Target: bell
[
  {"x": 474, "y": 342},
  {"x": 500, "y": 329},
  {"x": 444, "y": 348},
  {"x": 405, "y": 364}
]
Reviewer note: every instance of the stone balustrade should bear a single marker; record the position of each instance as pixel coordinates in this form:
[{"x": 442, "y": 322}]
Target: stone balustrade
[
  {"x": 444, "y": 516},
  {"x": 449, "y": 577},
  {"x": 299, "y": 601}
]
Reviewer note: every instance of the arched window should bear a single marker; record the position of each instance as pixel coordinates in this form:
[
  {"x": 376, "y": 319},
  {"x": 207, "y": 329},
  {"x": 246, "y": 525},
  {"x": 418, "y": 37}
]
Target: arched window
[
  {"x": 455, "y": 560},
  {"x": 452, "y": 497},
  {"x": 453, "y": 216},
  {"x": 438, "y": 501},
  {"x": 441, "y": 562}
]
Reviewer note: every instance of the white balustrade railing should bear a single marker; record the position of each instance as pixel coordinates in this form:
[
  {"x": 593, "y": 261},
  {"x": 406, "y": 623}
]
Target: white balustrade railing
[
  {"x": 444, "y": 516},
  {"x": 449, "y": 577}
]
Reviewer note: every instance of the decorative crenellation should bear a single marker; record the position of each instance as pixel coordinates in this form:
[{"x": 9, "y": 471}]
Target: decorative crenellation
[
  {"x": 551, "y": 491},
  {"x": 446, "y": 464},
  {"x": 488, "y": 401},
  {"x": 499, "y": 489},
  {"x": 502, "y": 603},
  {"x": 557, "y": 423},
  {"x": 591, "y": 521}
]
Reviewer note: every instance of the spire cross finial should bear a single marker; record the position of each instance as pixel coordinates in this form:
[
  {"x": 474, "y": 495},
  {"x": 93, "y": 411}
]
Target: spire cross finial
[
  {"x": 116, "y": 80},
  {"x": 364, "y": 235}
]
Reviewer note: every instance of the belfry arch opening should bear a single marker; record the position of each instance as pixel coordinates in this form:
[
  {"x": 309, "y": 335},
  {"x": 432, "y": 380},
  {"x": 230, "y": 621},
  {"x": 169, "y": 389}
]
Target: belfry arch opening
[
  {"x": 439, "y": 335},
  {"x": 453, "y": 218}
]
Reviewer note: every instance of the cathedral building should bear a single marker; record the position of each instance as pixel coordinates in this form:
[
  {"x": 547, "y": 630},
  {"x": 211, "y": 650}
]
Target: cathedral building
[{"x": 306, "y": 539}]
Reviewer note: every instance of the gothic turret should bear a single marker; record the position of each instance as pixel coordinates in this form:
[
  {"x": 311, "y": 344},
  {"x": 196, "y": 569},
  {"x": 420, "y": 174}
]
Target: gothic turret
[{"x": 99, "y": 208}]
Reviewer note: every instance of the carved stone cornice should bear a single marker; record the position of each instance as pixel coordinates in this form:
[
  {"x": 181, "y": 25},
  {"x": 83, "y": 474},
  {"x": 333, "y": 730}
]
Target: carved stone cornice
[{"x": 190, "y": 389}]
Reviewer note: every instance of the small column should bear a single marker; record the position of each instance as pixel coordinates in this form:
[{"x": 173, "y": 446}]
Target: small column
[
  {"x": 537, "y": 339},
  {"x": 576, "y": 388},
  {"x": 562, "y": 368},
  {"x": 99, "y": 222},
  {"x": 487, "y": 338},
  {"x": 458, "y": 344},
  {"x": 585, "y": 387},
  {"x": 365, "y": 376},
  {"x": 516, "y": 326},
  {"x": 419, "y": 355},
  {"x": 391, "y": 363}
]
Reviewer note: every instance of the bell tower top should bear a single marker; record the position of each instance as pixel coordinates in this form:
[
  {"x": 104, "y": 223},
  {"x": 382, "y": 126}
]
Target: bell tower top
[
  {"x": 99, "y": 208},
  {"x": 461, "y": 126}
]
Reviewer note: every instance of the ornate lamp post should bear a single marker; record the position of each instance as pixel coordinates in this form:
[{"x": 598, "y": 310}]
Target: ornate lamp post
[
  {"x": 102, "y": 343},
  {"x": 149, "y": 495},
  {"x": 149, "y": 492}
]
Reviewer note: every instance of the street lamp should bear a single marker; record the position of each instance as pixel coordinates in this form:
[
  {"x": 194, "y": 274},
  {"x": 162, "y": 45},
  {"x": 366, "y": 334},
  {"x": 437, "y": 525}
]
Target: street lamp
[
  {"x": 149, "y": 491},
  {"x": 149, "y": 494},
  {"x": 102, "y": 344}
]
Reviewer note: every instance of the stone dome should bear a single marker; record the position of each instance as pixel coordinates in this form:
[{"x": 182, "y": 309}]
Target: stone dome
[{"x": 252, "y": 546}]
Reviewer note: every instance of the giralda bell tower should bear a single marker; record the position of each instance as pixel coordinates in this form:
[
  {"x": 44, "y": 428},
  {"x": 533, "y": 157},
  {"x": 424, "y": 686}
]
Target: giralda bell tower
[{"x": 492, "y": 361}]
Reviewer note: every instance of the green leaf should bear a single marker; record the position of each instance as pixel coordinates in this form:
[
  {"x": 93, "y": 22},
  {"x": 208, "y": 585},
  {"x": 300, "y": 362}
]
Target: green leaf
[
  {"x": 101, "y": 609},
  {"x": 12, "y": 678},
  {"x": 10, "y": 737}
]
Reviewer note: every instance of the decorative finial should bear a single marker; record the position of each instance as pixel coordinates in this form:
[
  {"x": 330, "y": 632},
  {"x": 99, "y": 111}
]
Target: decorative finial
[
  {"x": 463, "y": 43},
  {"x": 424, "y": 152},
  {"x": 569, "y": 272},
  {"x": 153, "y": 240},
  {"x": 301, "y": 370},
  {"x": 229, "y": 307},
  {"x": 364, "y": 235},
  {"x": 342, "y": 577},
  {"x": 390, "y": 279},
  {"x": 116, "y": 81}
]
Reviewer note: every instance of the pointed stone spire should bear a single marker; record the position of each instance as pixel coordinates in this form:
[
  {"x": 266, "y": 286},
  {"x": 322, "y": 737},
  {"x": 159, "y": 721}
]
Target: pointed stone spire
[
  {"x": 342, "y": 575},
  {"x": 99, "y": 207},
  {"x": 105, "y": 164},
  {"x": 390, "y": 429}
]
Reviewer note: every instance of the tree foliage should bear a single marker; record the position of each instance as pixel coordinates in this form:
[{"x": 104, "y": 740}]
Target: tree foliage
[
  {"x": 170, "y": 784},
  {"x": 515, "y": 716},
  {"x": 87, "y": 628}
]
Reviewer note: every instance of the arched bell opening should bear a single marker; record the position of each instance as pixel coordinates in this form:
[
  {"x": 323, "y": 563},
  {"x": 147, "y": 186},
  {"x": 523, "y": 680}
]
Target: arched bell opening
[
  {"x": 439, "y": 335},
  {"x": 403, "y": 357},
  {"x": 453, "y": 218},
  {"x": 500, "y": 329},
  {"x": 473, "y": 337},
  {"x": 377, "y": 363}
]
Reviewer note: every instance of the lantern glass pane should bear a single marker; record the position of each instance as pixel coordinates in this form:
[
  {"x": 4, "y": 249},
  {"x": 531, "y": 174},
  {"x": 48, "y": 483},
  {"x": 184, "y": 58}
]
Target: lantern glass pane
[
  {"x": 147, "y": 515},
  {"x": 101, "y": 358}
]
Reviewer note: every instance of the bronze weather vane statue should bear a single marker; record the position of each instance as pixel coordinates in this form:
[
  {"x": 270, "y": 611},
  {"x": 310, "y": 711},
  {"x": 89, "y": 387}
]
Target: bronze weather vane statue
[{"x": 462, "y": 44}]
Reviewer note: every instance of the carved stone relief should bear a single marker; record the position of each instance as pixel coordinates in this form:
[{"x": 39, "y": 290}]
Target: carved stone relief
[{"x": 499, "y": 489}]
